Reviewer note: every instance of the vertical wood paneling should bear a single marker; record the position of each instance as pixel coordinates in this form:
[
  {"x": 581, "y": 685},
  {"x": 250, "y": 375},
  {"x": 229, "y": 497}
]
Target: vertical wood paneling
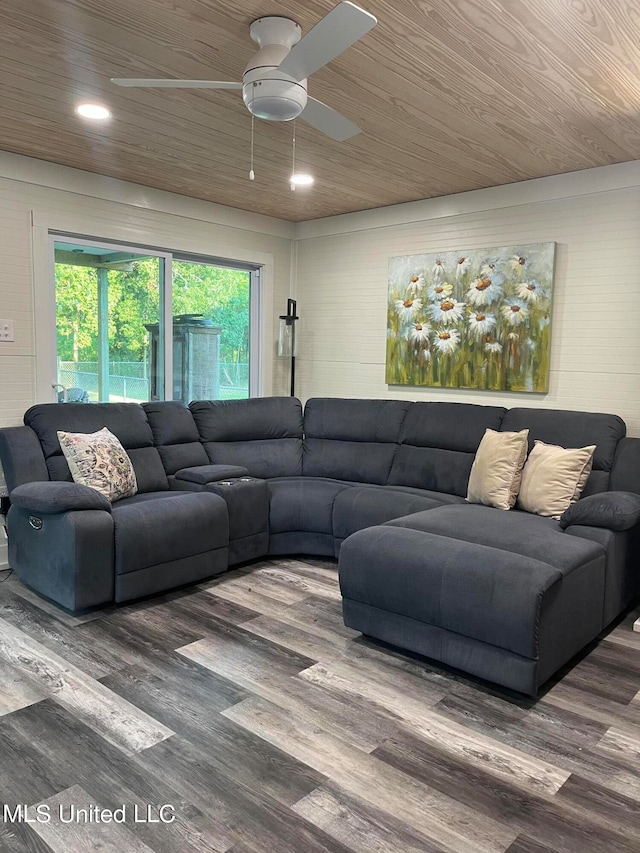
[{"x": 595, "y": 359}]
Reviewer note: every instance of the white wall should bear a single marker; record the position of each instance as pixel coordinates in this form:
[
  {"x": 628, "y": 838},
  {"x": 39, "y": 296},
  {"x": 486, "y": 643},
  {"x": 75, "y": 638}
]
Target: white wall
[{"x": 594, "y": 218}]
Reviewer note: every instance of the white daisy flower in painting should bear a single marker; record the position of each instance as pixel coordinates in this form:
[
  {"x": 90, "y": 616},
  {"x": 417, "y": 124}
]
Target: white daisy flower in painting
[
  {"x": 515, "y": 312},
  {"x": 462, "y": 265},
  {"x": 530, "y": 291},
  {"x": 408, "y": 308},
  {"x": 517, "y": 263},
  {"x": 484, "y": 290},
  {"x": 481, "y": 324},
  {"x": 439, "y": 290},
  {"x": 438, "y": 268},
  {"x": 426, "y": 355},
  {"x": 513, "y": 336},
  {"x": 489, "y": 269},
  {"x": 447, "y": 311},
  {"x": 419, "y": 333},
  {"x": 446, "y": 341},
  {"x": 492, "y": 345},
  {"x": 416, "y": 283}
]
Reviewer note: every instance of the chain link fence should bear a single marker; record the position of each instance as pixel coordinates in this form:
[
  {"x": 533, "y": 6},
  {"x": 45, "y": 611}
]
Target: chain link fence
[{"x": 128, "y": 380}]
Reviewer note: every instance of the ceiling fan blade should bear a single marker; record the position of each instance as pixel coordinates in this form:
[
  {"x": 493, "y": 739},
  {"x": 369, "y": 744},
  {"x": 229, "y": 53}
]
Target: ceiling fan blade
[
  {"x": 337, "y": 31},
  {"x": 176, "y": 84},
  {"x": 327, "y": 120}
]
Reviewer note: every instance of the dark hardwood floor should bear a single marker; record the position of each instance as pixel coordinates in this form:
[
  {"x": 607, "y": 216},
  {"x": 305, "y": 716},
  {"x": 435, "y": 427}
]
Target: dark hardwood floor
[{"x": 269, "y": 727}]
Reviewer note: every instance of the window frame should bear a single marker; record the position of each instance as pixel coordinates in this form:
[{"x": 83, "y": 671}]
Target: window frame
[{"x": 260, "y": 268}]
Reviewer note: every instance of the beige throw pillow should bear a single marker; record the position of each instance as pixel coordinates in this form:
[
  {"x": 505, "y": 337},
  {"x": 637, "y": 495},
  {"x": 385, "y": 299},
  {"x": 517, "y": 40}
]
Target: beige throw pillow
[
  {"x": 497, "y": 468},
  {"x": 97, "y": 459},
  {"x": 554, "y": 478}
]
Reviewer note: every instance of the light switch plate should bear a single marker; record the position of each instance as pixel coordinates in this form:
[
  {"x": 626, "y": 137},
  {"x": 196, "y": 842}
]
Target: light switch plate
[{"x": 7, "y": 332}]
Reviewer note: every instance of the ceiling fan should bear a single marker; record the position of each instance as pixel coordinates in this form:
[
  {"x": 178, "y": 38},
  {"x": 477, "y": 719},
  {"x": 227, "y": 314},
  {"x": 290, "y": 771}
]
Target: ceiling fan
[{"x": 274, "y": 83}]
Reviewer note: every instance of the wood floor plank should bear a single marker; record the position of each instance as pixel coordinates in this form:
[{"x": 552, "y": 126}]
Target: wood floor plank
[
  {"x": 360, "y": 826},
  {"x": 323, "y": 569},
  {"x": 264, "y": 584},
  {"x": 196, "y": 611},
  {"x": 249, "y": 669},
  {"x": 442, "y": 819},
  {"x": 488, "y": 753},
  {"x": 20, "y": 838},
  {"x": 616, "y": 810},
  {"x": 623, "y": 743},
  {"x": 253, "y": 820},
  {"x": 83, "y": 837},
  {"x": 344, "y": 653},
  {"x": 116, "y": 720},
  {"x": 565, "y": 738},
  {"x": 280, "y": 576},
  {"x": 51, "y": 750},
  {"x": 16, "y": 691},
  {"x": 234, "y": 752},
  {"x": 565, "y": 827},
  {"x": 249, "y": 598},
  {"x": 522, "y": 844},
  {"x": 57, "y": 636}
]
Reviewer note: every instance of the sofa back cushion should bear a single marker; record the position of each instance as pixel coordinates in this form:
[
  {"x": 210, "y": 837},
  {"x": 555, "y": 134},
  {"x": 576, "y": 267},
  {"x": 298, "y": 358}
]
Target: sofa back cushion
[
  {"x": 127, "y": 421},
  {"x": 438, "y": 444},
  {"x": 263, "y": 434},
  {"x": 352, "y": 440},
  {"x": 175, "y": 435},
  {"x": 625, "y": 475},
  {"x": 573, "y": 429}
]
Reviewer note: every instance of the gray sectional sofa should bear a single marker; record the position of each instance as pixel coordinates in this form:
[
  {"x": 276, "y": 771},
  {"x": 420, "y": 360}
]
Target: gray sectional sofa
[{"x": 381, "y": 484}]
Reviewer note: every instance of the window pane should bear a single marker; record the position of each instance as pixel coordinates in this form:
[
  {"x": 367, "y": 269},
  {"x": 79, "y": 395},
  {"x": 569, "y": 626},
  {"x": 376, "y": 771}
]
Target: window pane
[
  {"x": 108, "y": 334},
  {"x": 210, "y": 332}
]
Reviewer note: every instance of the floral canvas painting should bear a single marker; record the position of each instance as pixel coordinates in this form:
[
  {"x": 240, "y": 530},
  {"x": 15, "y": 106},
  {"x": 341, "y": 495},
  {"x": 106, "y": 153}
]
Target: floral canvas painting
[{"x": 478, "y": 319}]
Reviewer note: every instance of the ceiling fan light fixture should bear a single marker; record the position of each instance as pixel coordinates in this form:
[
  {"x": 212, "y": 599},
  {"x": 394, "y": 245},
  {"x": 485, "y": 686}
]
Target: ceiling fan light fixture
[
  {"x": 96, "y": 112},
  {"x": 301, "y": 179}
]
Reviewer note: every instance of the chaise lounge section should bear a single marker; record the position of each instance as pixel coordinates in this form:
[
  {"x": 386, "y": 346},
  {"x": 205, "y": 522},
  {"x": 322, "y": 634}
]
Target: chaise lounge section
[{"x": 381, "y": 484}]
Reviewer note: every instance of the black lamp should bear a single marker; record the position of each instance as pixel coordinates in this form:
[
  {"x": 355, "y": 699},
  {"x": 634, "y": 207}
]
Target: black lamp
[{"x": 287, "y": 343}]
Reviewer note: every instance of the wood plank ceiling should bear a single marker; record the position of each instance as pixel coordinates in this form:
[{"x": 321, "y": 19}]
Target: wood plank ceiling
[{"x": 452, "y": 95}]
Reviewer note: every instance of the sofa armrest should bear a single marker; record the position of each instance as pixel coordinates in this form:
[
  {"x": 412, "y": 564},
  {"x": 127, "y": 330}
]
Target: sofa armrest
[
  {"x": 203, "y": 474},
  {"x": 614, "y": 510},
  {"x": 52, "y": 498}
]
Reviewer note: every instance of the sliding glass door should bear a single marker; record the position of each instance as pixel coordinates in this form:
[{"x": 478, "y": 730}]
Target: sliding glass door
[
  {"x": 108, "y": 299},
  {"x": 134, "y": 324},
  {"x": 211, "y": 319}
]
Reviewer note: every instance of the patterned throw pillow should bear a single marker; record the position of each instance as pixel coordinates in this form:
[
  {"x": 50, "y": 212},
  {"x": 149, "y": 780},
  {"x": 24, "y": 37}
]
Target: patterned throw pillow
[{"x": 97, "y": 459}]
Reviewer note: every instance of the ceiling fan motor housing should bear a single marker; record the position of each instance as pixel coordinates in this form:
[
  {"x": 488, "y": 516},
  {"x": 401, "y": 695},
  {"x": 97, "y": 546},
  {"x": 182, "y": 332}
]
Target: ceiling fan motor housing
[{"x": 268, "y": 93}]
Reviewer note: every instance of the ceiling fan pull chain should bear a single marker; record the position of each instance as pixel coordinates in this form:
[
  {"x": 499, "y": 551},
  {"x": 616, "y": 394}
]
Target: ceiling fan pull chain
[
  {"x": 252, "y": 174},
  {"x": 293, "y": 164}
]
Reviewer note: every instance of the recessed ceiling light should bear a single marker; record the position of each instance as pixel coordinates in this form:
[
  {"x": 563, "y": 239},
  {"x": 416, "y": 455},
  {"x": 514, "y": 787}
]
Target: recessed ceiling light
[
  {"x": 93, "y": 111},
  {"x": 301, "y": 180}
]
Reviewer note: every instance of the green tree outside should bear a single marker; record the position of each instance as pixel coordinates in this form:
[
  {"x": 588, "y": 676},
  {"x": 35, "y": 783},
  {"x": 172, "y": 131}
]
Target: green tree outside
[{"x": 219, "y": 294}]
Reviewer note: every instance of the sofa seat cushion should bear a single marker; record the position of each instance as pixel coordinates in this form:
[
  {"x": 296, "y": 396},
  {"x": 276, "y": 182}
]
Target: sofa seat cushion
[
  {"x": 516, "y": 532},
  {"x": 365, "y": 506},
  {"x": 303, "y": 503},
  {"x": 475, "y": 590},
  {"x": 152, "y": 529}
]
